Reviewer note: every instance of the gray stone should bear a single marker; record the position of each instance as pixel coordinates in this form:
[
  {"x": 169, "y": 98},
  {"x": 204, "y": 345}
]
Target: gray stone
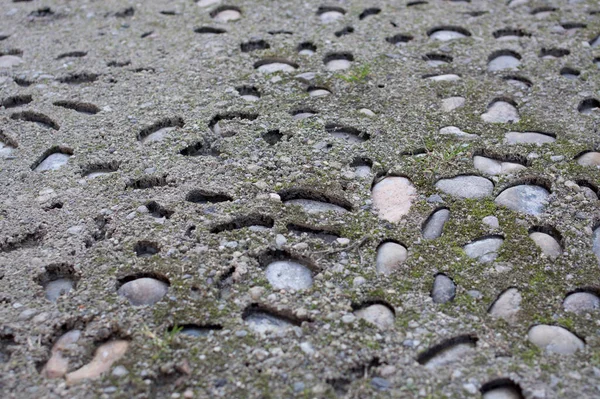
[
  {"x": 330, "y": 16},
  {"x": 315, "y": 207},
  {"x": 273, "y": 67},
  {"x": 449, "y": 77},
  {"x": 227, "y": 15},
  {"x": 589, "y": 159},
  {"x": 6, "y": 150},
  {"x": 485, "y": 250},
  {"x": 159, "y": 135},
  {"x": 392, "y": 197},
  {"x": 450, "y": 355},
  {"x": 454, "y": 131},
  {"x": 445, "y": 35},
  {"x": 381, "y": 384},
  {"x": 143, "y": 291},
  {"x": 9, "y": 61},
  {"x": 379, "y": 315},
  {"x": 525, "y": 198},
  {"x": 451, "y": 103},
  {"x": 466, "y": 186},
  {"x": 501, "y": 112},
  {"x": 288, "y": 275},
  {"x": 555, "y": 339},
  {"x": 53, "y": 162},
  {"x": 503, "y": 62},
  {"x": 56, "y": 288},
  {"x": 507, "y": 305},
  {"x": 491, "y": 221},
  {"x": 528, "y": 138},
  {"x": 338, "y": 65},
  {"x": 548, "y": 244},
  {"x": 263, "y": 323},
  {"x": 389, "y": 257},
  {"x": 502, "y": 392},
  {"x": 493, "y": 167},
  {"x": 443, "y": 290},
  {"x": 581, "y": 302},
  {"x": 434, "y": 225}
]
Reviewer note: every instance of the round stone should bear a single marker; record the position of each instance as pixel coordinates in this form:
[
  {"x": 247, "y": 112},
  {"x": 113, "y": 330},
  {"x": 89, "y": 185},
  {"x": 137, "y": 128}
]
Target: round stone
[
  {"x": 548, "y": 244},
  {"x": 494, "y": 167},
  {"x": 9, "y": 61},
  {"x": 389, "y": 257},
  {"x": 53, "y": 162},
  {"x": 377, "y": 314},
  {"x": 318, "y": 92},
  {"x": 450, "y": 354},
  {"x": 262, "y": 323},
  {"x": 56, "y": 288},
  {"x": 596, "y": 243},
  {"x": 502, "y": 393},
  {"x": 451, "y": 103},
  {"x": 501, "y": 112},
  {"x": 555, "y": 339},
  {"x": 525, "y": 198},
  {"x": 443, "y": 290},
  {"x": 330, "y": 16},
  {"x": 434, "y": 225},
  {"x": 448, "y": 77},
  {"x": 581, "y": 302},
  {"x": 207, "y": 3},
  {"x": 338, "y": 65},
  {"x": 466, "y": 186},
  {"x": 143, "y": 291},
  {"x": 159, "y": 135},
  {"x": 227, "y": 15},
  {"x": 528, "y": 138},
  {"x": 288, "y": 275},
  {"x": 392, "y": 197},
  {"x": 276, "y": 67},
  {"x": 507, "y": 305},
  {"x": 589, "y": 159},
  {"x": 503, "y": 62},
  {"x": 455, "y": 131},
  {"x": 484, "y": 250}
]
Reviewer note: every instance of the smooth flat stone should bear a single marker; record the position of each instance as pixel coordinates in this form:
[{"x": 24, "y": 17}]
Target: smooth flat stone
[
  {"x": 596, "y": 243},
  {"x": 449, "y": 77},
  {"x": 454, "y": 131},
  {"x": 99, "y": 173},
  {"x": 451, "y": 103},
  {"x": 288, "y": 275},
  {"x": 379, "y": 315},
  {"x": 517, "y": 83},
  {"x": 250, "y": 97},
  {"x": 595, "y": 42},
  {"x": 207, "y": 3},
  {"x": 362, "y": 171},
  {"x": 195, "y": 331},
  {"x": 338, "y": 65},
  {"x": 276, "y": 67},
  {"x": 9, "y": 61},
  {"x": 367, "y": 112},
  {"x": 445, "y": 35},
  {"x": 303, "y": 115},
  {"x": 528, "y": 138},
  {"x": 143, "y": 291},
  {"x": 6, "y": 150},
  {"x": 443, "y": 290},
  {"x": 502, "y": 393},
  {"x": 313, "y": 207},
  {"x": 524, "y": 198},
  {"x": 516, "y": 3},
  {"x": 306, "y": 52},
  {"x": 436, "y": 63},
  {"x": 581, "y": 302},
  {"x": 554, "y": 339},
  {"x": 589, "y": 159},
  {"x": 548, "y": 244},
  {"x": 466, "y": 186},
  {"x": 450, "y": 355},
  {"x": 503, "y": 62},
  {"x": 330, "y": 16},
  {"x": 58, "y": 365},
  {"x": 262, "y": 323},
  {"x": 319, "y": 93},
  {"x": 392, "y": 198},
  {"x": 345, "y": 136},
  {"x": 56, "y": 288},
  {"x": 507, "y": 305},
  {"x": 159, "y": 135},
  {"x": 389, "y": 257},
  {"x": 228, "y": 15},
  {"x": 434, "y": 225},
  {"x": 484, "y": 250},
  {"x": 105, "y": 356},
  {"x": 53, "y": 162},
  {"x": 501, "y": 112},
  {"x": 493, "y": 167}
]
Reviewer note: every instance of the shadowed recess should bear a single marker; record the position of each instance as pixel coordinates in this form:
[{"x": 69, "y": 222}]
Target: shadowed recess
[
  {"x": 84, "y": 108},
  {"x": 241, "y": 222},
  {"x": 37, "y": 117}
]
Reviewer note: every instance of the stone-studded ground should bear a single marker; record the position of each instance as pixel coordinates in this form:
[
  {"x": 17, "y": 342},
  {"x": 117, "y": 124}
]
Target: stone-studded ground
[{"x": 277, "y": 199}]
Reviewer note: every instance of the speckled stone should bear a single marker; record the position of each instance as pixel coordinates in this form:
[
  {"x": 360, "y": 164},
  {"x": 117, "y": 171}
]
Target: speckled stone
[
  {"x": 525, "y": 198},
  {"x": 53, "y": 162},
  {"x": 443, "y": 290},
  {"x": 434, "y": 225},
  {"x": 484, "y": 250},
  {"x": 288, "y": 275},
  {"x": 555, "y": 339},
  {"x": 501, "y": 112},
  {"x": 143, "y": 291},
  {"x": 379, "y": 315},
  {"x": 393, "y": 197},
  {"x": 507, "y": 305},
  {"x": 466, "y": 186},
  {"x": 581, "y": 302}
]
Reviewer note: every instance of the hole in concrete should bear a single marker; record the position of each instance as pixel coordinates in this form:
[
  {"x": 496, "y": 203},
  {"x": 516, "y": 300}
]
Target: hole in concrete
[
  {"x": 52, "y": 159},
  {"x": 253, "y": 221},
  {"x": 551, "y": 53},
  {"x": 272, "y": 137},
  {"x": 447, "y": 32},
  {"x": 415, "y": 3},
  {"x": 338, "y": 61},
  {"x": 573, "y": 25},
  {"x": 503, "y": 59},
  {"x": 270, "y": 65},
  {"x": 362, "y": 166},
  {"x": 330, "y": 14},
  {"x": 210, "y": 30},
  {"x": 346, "y": 133},
  {"x": 518, "y": 81},
  {"x": 264, "y": 320},
  {"x": 158, "y": 211},
  {"x": 510, "y": 34},
  {"x": 254, "y": 45},
  {"x": 72, "y": 54},
  {"x": 369, "y": 11},
  {"x": 23, "y": 240},
  {"x": 42, "y": 12},
  {"x": 145, "y": 249},
  {"x": 588, "y": 106},
  {"x": 58, "y": 279},
  {"x": 595, "y": 42},
  {"x": 215, "y": 125},
  {"x": 590, "y": 190},
  {"x": 325, "y": 234},
  {"x": 158, "y": 130},
  {"x": 199, "y": 196},
  {"x": 78, "y": 78},
  {"x": 248, "y": 93},
  {"x": 93, "y": 170},
  {"x": 307, "y": 48},
  {"x": 318, "y": 91},
  {"x": 345, "y": 31},
  {"x": 437, "y": 59},
  {"x": 16, "y": 101},
  {"x": 501, "y": 388},
  {"x": 195, "y": 330},
  {"x": 31, "y": 116},
  {"x": 542, "y": 12},
  {"x": 23, "y": 82},
  {"x": 314, "y": 201},
  {"x": 226, "y": 13},
  {"x": 147, "y": 182},
  {"x": 199, "y": 149},
  {"x": 399, "y": 39},
  {"x": 448, "y": 351},
  {"x": 84, "y": 108},
  {"x": 118, "y": 64},
  {"x": 143, "y": 288},
  {"x": 280, "y": 32},
  {"x": 569, "y": 73}
]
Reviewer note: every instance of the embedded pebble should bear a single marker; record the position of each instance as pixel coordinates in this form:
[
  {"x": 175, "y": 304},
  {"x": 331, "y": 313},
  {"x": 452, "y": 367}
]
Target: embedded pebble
[
  {"x": 445, "y": 35},
  {"x": 158, "y": 135},
  {"x": 6, "y": 150},
  {"x": 548, "y": 244},
  {"x": 494, "y": 167},
  {"x": 501, "y": 112},
  {"x": 525, "y": 198},
  {"x": 451, "y": 103},
  {"x": 434, "y": 225},
  {"x": 443, "y": 290},
  {"x": 58, "y": 365},
  {"x": 503, "y": 62},
  {"x": 276, "y": 67},
  {"x": 451, "y": 354},
  {"x": 377, "y": 314},
  {"x": 54, "y": 289},
  {"x": 555, "y": 339},
  {"x": 330, "y": 16},
  {"x": 448, "y": 77},
  {"x": 143, "y": 291},
  {"x": 315, "y": 207},
  {"x": 9, "y": 61},
  {"x": 105, "y": 356},
  {"x": 502, "y": 392},
  {"x": 491, "y": 221},
  {"x": 390, "y": 256},
  {"x": 466, "y": 186},
  {"x": 581, "y": 302},
  {"x": 288, "y": 275},
  {"x": 392, "y": 197},
  {"x": 507, "y": 305},
  {"x": 455, "y": 131},
  {"x": 528, "y": 138},
  {"x": 53, "y": 162},
  {"x": 227, "y": 15},
  {"x": 589, "y": 159},
  {"x": 485, "y": 250},
  {"x": 262, "y": 323},
  {"x": 338, "y": 64},
  {"x": 317, "y": 92}
]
